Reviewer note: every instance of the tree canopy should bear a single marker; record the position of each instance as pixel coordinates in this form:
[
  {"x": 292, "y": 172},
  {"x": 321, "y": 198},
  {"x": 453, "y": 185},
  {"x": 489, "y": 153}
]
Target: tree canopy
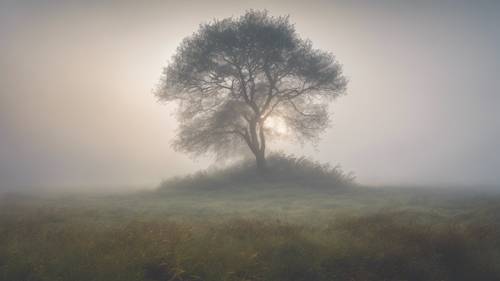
[{"x": 234, "y": 75}]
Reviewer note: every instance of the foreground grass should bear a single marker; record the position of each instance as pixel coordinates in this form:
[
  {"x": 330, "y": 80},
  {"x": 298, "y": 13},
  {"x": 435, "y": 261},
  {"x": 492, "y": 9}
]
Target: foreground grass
[{"x": 274, "y": 232}]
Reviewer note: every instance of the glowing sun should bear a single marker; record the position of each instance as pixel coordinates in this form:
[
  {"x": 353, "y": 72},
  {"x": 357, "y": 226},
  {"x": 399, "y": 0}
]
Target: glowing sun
[{"x": 277, "y": 124}]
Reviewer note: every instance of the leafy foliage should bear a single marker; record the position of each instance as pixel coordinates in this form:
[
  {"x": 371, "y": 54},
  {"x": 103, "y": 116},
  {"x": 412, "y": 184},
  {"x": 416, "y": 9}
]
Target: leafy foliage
[{"x": 233, "y": 74}]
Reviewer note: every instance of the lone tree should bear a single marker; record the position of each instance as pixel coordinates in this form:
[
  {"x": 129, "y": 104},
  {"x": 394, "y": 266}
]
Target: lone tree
[{"x": 235, "y": 76}]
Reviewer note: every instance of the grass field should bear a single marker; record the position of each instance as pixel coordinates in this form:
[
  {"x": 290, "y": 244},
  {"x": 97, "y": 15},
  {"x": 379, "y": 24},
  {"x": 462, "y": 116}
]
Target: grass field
[
  {"x": 302, "y": 222},
  {"x": 252, "y": 232}
]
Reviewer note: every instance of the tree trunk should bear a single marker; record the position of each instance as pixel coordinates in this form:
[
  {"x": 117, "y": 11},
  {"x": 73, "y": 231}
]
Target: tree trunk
[
  {"x": 257, "y": 143},
  {"x": 261, "y": 162}
]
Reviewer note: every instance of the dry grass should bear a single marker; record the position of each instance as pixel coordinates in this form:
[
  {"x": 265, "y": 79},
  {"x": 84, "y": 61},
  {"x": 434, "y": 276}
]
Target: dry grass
[
  {"x": 312, "y": 225},
  {"x": 47, "y": 242}
]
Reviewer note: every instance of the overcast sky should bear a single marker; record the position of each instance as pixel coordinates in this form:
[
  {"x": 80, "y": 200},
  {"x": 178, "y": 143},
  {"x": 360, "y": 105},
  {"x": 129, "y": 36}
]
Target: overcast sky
[{"x": 77, "y": 109}]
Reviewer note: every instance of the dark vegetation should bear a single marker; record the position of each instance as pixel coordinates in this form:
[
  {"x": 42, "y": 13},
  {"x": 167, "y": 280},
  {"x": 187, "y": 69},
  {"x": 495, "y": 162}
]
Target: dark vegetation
[
  {"x": 282, "y": 169},
  {"x": 273, "y": 229}
]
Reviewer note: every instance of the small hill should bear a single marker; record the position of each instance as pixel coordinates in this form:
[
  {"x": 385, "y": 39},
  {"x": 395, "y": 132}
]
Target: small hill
[{"x": 283, "y": 171}]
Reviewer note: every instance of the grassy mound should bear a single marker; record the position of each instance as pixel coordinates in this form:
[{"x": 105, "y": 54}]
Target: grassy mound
[{"x": 283, "y": 170}]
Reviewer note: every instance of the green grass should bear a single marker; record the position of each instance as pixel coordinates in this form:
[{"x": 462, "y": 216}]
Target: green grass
[
  {"x": 311, "y": 225},
  {"x": 266, "y": 232}
]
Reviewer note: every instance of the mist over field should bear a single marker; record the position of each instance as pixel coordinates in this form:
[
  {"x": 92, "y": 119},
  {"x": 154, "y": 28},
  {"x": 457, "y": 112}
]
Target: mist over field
[
  {"x": 76, "y": 107},
  {"x": 249, "y": 140}
]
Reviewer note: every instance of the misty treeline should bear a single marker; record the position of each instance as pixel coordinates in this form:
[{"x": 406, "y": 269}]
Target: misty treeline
[{"x": 236, "y": 80}]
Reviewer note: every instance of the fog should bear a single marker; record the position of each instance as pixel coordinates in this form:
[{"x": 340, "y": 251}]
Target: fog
[{"x": 77, "y": 109}]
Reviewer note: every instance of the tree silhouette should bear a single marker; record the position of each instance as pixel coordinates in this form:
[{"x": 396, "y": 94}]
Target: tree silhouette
[{"x": 234, "y": 75}]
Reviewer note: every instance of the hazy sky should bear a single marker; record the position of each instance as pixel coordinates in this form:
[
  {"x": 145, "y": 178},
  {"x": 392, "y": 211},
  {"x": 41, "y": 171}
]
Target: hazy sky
[{"x": 76, "y": 80}]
